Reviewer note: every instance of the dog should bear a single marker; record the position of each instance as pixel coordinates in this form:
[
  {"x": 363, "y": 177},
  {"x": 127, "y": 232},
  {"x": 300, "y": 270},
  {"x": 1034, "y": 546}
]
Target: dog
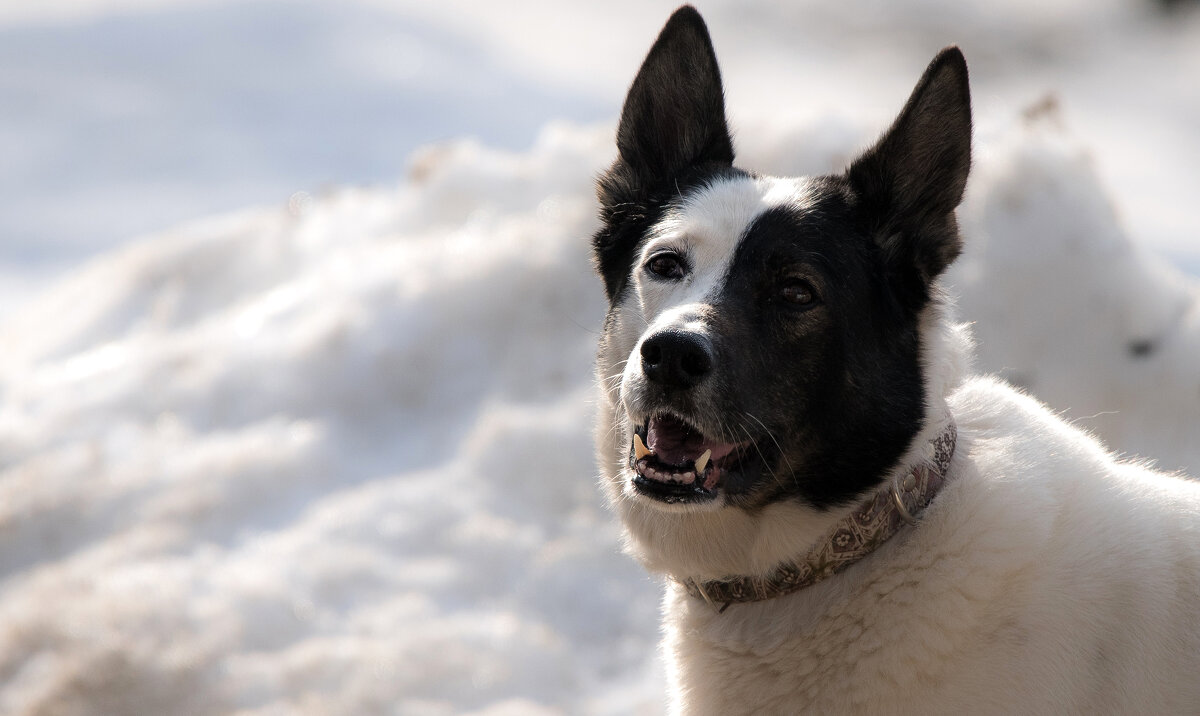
[{"x": 848, "y": 520}]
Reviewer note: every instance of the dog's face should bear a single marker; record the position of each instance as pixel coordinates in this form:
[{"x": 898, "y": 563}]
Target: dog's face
[{"x": 763, "y": 342}]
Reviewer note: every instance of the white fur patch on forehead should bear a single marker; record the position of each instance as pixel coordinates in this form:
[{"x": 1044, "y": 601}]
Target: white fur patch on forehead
[
  {"x": 705, "y": 229},
  {"x": 710, "y": 221}
]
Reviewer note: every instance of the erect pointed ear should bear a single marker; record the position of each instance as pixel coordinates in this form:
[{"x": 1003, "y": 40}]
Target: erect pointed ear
[
  {"x": 674, "y": 115},
  {"x": 911, "y": 181}
]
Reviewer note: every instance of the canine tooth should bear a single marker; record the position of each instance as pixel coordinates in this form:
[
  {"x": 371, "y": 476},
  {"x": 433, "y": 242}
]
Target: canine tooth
[
  {"x": 639, "y": 448},
  {"x": 702, "y": 462}
]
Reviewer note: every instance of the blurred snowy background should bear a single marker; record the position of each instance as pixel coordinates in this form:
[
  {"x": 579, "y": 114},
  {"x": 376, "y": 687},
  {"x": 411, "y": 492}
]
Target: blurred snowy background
[{"x": 296, "y": 318}]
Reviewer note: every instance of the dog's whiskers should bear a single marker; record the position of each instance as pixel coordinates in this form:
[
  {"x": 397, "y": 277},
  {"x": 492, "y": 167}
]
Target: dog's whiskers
[
  {"x": 771, "y": 435},
  {"x": 612, "y": 379},
  {"x": 767, "y": 465},
  {"x": 620, "y": 418}
]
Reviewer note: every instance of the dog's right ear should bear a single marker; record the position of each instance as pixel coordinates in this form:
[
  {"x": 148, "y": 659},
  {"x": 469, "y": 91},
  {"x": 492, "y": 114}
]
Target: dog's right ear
[
  {"x": 673, "y": 123},
  {"x": 913, "y": 178},
  {"x": 674, "y": 114}
]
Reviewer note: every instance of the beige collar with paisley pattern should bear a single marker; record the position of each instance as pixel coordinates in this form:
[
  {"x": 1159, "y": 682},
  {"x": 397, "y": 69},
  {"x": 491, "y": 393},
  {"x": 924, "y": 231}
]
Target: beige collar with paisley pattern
[{"x": 866, "y": 528}]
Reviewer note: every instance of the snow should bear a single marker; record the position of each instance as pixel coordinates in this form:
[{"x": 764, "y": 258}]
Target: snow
[
  {"x": 1066, "y": 305},
  {"x": 329, "y": 457},
  {"x": 333, "y": 454}
]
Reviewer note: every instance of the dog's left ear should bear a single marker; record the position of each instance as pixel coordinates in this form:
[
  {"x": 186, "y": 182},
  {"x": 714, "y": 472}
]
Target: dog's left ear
[{"x": 912, "y": 179}]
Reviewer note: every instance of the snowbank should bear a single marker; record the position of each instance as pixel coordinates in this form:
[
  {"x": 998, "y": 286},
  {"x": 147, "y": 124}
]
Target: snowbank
[
  {"x": 334, "y": 457},
  {"x": 1066, "y": 305}
]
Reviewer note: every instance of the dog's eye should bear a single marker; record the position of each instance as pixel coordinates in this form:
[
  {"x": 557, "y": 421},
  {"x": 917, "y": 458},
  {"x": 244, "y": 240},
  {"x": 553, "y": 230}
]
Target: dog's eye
[
  {"x": 666, "y": 265},
  {"x": 798, "y": 293}
]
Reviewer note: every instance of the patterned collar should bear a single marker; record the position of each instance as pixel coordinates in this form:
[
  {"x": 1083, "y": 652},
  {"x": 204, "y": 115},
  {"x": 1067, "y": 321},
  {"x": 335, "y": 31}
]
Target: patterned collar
[{"x": 870, "y": 525}]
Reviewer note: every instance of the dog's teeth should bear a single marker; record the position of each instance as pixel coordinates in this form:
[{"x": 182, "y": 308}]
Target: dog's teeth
[
  {"x": 639, "y": 448},
  {"x": 702, "y": 462}
]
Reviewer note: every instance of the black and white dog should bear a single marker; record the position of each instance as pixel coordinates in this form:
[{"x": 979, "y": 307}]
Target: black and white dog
[{"x": 849, "y": 522}]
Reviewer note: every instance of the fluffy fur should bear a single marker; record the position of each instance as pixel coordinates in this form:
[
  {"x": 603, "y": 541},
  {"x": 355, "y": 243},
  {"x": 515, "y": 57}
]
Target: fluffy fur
[
  {"x": 796, "y": 329},
  {"x": 1046, "y": 578}
]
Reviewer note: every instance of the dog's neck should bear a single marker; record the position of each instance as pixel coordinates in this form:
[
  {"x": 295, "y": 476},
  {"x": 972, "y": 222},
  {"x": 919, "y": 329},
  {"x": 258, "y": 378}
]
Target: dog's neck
[{"x": 868, "y": 526}]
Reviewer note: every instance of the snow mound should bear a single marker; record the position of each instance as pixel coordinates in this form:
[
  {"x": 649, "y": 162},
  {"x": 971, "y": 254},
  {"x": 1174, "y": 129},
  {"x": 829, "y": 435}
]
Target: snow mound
[
  {"x": 1065, "y": 303},
  {"x": 335, "y": 457}
]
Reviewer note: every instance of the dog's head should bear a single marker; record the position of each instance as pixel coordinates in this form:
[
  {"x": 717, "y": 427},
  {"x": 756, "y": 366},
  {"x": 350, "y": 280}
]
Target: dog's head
[{"x": 763, "y": 345}]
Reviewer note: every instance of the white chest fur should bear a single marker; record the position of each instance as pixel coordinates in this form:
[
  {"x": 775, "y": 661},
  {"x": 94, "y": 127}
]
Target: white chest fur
[{"x": 1046, "y": 578}]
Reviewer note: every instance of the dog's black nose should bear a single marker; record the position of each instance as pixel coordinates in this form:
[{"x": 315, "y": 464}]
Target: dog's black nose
[{"x": 676, "y": 359}]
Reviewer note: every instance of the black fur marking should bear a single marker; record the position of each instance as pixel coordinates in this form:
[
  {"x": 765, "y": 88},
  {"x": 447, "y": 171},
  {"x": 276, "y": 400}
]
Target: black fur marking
[
  {"x": 838, "y": 386},
  {"x": 672, "y": 137}
]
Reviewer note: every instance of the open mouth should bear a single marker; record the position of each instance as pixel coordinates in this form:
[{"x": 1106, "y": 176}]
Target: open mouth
[{"x": 674, "y": 462}]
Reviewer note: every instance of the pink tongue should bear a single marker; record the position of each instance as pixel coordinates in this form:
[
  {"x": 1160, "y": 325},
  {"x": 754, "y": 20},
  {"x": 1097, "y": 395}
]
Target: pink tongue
[{"x": 675, "y": 443}]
